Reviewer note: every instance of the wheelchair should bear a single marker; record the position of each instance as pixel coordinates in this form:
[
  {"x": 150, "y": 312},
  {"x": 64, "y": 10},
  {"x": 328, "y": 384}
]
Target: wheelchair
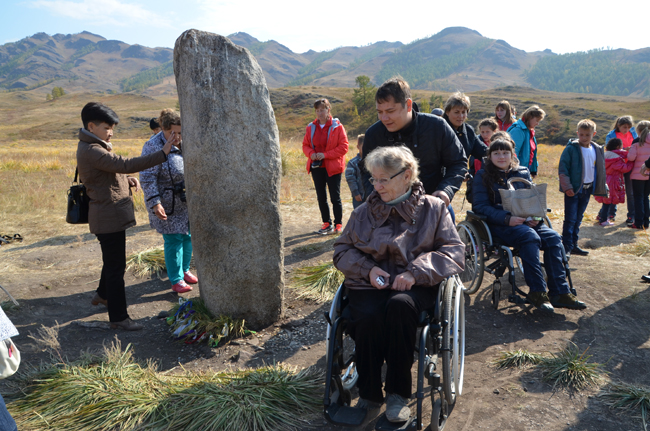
[
  {"x": 481, "y": 247},
  {"x": 441, "y": 333}
]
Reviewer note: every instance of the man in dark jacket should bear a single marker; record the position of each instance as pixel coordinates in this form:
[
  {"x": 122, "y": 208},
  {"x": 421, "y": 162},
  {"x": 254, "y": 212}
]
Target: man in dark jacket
[{"x": 441, "y": 156}]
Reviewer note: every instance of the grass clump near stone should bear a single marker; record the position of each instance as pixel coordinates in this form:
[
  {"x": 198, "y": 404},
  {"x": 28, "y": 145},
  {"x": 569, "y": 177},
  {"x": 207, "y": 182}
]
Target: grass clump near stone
[
  {"x": 629, "y": 399},
  {"x": 571, "y": 369},
  {"x": 147, "y": 262},
  {"x": 112, "y": 391},
  {"x": 319, "y": 282},
  {"x": 518, "y": 359},
  {"x": 192, "y": 322}
]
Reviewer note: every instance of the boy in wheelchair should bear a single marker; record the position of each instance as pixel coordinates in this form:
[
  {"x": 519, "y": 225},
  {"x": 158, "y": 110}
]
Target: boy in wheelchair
[
  {"x": 394, "y": 252},
  {"x": 529, "y": 237}
]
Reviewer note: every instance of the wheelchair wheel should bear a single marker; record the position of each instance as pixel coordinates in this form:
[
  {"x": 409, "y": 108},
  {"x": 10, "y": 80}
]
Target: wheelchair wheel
[
  {"x": 472, "y": 276},
  {"x": 453, "y": 340},
  {"x": 439, "y": 414}
]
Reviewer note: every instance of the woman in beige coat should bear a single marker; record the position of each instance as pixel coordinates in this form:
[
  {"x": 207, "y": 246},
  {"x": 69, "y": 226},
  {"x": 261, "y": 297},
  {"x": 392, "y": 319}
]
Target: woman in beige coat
[
  {"x": 111, "y": 212},
  {"x": 394, "y": 252}
]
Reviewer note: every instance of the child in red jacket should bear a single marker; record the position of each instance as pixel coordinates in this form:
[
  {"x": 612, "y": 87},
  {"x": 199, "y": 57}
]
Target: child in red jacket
[{"x": 616, "y": 164}]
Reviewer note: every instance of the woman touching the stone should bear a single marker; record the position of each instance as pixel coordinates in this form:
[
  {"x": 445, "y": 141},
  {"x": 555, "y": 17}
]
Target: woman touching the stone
[
  {"x": 394, "y": 252},
  {"x": 164, "y": 190},
  {"x": 325, "y": 144},
  {"x": 111, "y": 212}
]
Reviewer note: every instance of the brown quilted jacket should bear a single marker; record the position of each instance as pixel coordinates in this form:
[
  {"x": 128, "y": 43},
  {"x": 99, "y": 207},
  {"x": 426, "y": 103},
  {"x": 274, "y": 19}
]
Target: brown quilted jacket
[
  {"x": 416, "y": 235},
  {"x": 104, "y": 174}
]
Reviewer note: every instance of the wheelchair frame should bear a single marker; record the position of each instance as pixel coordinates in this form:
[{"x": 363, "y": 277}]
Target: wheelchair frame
[
  {"x": 481, "y": 247},
  {"x": 442, "y": 333}
]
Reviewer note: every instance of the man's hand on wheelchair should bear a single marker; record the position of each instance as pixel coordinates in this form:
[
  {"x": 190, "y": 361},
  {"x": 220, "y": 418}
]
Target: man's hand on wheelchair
[{"x": 516, "y": 221}]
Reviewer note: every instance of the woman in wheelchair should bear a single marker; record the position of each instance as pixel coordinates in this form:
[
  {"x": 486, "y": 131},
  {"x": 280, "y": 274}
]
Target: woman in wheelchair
[
  {"x": 394, "y": 251},
  {"x": 529, "y": 237}
]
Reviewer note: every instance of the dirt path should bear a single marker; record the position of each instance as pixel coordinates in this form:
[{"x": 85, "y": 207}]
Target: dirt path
[{"x": 54, "y": 279}]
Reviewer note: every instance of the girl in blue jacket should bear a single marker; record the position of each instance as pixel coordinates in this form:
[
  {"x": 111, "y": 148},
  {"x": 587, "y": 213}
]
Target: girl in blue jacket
[{"x": 523, "y": 133}]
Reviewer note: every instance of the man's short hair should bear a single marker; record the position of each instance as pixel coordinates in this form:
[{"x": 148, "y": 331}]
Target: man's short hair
[
  {"x": 322, "y": 102},
  {"x": 97, "y": 113},
  {"x": 395, "y": 88},
  {"x": 153, "y": 124},
  {"x": 360, "y": 139},
  {"x": 587, "y": 124},
  {"x": 457, "y": 99},
  {"x": 489, "y": 122}
]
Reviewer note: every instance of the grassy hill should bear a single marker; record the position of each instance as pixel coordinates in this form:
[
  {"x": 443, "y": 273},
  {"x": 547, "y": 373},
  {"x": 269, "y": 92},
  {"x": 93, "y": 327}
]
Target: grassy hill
[{"x": 27, "y": 116}]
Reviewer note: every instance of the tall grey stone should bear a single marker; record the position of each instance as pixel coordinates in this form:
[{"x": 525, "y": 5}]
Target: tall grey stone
[{"x": 232, "y": 173}]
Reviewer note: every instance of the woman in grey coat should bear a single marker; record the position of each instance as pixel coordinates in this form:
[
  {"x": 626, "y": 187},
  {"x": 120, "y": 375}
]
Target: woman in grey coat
[{"x": 164, "y": 190}]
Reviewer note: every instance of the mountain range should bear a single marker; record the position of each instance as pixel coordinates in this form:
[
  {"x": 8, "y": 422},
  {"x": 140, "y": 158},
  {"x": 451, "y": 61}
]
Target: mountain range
[{"x": 455, "y": 58}]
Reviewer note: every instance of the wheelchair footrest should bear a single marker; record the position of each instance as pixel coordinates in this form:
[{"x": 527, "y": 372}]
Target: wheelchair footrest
[
  {"x": 345, "y": 416},
  {"x": 384, "y": 424},
  {"x": 516, "y": 299}
]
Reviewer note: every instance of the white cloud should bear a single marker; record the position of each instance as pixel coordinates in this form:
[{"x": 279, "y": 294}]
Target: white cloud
[{"x": 104, "y": 12}]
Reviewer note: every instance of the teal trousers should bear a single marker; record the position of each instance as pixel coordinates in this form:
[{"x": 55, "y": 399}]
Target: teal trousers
[{"x": 178, "y": 253}]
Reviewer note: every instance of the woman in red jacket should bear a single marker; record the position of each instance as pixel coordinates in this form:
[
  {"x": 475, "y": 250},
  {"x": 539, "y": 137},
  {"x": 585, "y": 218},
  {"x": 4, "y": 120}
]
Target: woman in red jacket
[{"x": 325, "y": 145}]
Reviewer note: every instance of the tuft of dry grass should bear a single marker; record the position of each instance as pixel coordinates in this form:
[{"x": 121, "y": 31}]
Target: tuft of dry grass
[
  {"x": 113, "y": 391},
  {"x": 318, "y": 282},
  {"x": 628, "y": 399},
  {"x": 640, "y": 247},
  {"x": 147, "y": 262},
  {"x": 518, "y": 359},
  {"x": 571, "y": 369}
]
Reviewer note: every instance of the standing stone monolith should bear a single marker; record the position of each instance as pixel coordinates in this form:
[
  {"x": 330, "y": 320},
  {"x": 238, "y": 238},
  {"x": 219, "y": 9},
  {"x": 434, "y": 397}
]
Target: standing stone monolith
[{"x": 232, "y": 158}]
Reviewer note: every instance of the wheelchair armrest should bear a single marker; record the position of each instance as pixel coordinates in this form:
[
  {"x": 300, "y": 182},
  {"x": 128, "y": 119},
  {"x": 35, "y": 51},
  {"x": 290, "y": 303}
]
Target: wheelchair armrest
[{"x": 475, "y": 216}]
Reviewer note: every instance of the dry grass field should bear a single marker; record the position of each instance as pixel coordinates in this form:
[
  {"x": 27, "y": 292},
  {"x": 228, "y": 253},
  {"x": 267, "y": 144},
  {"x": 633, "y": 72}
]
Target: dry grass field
[{"x": 54, "y": 271}]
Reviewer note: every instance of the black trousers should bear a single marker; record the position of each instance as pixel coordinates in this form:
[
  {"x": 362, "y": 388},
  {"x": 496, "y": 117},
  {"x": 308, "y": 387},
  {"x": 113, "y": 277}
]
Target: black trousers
[
  {"x": 384, "y": 325},
  {"x": 111, "y": 283},
  {"x": 333, "y": 183}
]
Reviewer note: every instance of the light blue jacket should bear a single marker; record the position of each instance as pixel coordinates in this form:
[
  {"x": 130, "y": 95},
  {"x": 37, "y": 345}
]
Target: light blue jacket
[
  {"x": 612, "y": 134},
  {"x": 521, "y": 135}
]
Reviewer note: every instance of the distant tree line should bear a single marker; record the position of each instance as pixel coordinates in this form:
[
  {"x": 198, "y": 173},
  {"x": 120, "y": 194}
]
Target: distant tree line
[
  {"x": 145, "y": 79},
  {"x": 596, "y": 71}
]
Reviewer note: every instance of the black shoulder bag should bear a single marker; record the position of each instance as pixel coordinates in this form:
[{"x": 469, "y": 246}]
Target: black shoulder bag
[{"x": 78, "y": 202}]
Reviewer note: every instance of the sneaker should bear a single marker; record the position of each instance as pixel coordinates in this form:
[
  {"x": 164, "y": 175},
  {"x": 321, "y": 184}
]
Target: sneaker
[
  {"x": 611, "y": 218},
  {"x": 325, "y": 229},
  {"x": 397, "y": 409},
  {"x": 633, "y": 226},
  {"x": 190, "y": 278},
  {"x": 338, "y": 228},
  {"x": 646, "y": 278},
  {"x": 629, "y": 222},
  {"x": 607, "y": 223},
  {"x": 127, "y": 324},
  {"x": 567, "y": 300},
  {"x": 181, "y": 287},
  {"x": 540, "y": 301},
  {"x": 598, "y": 218},
  {"x": 367, "y": 404}
]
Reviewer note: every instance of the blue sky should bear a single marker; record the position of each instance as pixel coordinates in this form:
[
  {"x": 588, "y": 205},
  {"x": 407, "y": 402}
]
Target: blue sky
[{"x": 560, "y": 25}]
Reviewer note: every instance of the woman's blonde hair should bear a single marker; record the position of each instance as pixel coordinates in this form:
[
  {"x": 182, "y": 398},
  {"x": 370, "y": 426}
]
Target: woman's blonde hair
[
  {"x": 457, "y": 99},
  {"x": 168, "y": 118},
  {"x": 643, "y": 136},
  {"x": 393, "y": 159},
  {"x": 505, "y": 105},
  {"x": 533, "y": 112}
]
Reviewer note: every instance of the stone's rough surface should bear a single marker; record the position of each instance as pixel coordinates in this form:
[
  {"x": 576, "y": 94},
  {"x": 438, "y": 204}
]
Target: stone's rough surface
[{"x": 232, "y": 174}]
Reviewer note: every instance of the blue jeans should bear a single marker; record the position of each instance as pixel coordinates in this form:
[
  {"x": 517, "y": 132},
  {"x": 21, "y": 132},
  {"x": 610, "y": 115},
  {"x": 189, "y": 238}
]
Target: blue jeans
[
  {"x": 178, "y": 253},
  {"x": 641, "y": 205},
  {"x": 605, "y": 211},
  {"x": 529, "y": 241},
  {"x": 574, "y": 208},
  {"x": 7, "y": 423}
]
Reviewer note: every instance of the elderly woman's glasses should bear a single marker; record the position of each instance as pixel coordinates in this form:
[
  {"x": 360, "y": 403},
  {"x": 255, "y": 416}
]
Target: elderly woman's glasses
[{"x": 384, "y": 181}]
